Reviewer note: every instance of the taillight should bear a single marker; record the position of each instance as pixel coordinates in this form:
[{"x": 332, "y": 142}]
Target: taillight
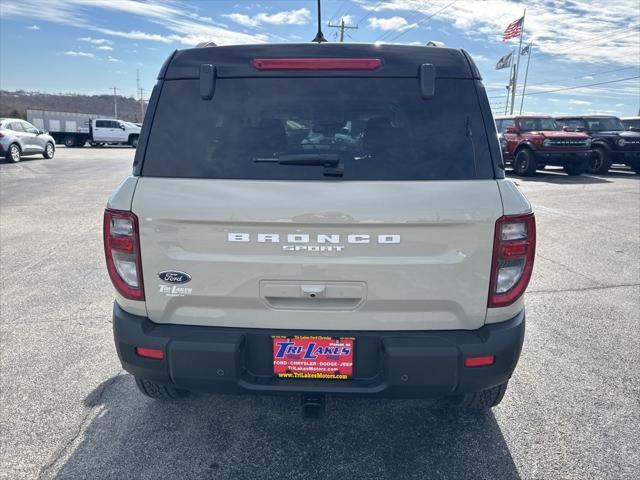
[
  {"x": 122, "y": 250},
  {"x": 514, "y": 248},
  {"x": 317, "y": 63}
]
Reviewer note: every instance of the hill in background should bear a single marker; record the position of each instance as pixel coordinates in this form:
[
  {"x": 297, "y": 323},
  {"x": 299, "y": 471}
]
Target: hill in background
[{"x": 15, "y": 104}]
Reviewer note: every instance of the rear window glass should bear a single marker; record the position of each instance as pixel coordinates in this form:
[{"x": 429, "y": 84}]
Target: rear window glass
[{"x": 314, "y": 128}]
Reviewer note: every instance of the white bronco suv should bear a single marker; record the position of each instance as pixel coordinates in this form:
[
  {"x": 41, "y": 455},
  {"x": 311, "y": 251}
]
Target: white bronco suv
[{"x": 320, "y": 219}]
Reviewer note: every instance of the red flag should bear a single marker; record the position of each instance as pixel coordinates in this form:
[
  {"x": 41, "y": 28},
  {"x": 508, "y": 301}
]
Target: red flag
[{"x": 514, "y": 29}]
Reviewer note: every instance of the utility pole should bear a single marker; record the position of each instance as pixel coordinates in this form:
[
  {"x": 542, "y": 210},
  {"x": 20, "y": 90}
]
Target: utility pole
[
  {"x": 115, "y": 101},
  {"x": 141, "y": 105},
  {"x": 342, "y": 28}
]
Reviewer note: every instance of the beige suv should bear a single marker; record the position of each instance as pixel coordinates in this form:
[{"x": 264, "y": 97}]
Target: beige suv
[{"x": 320, "y": 219}]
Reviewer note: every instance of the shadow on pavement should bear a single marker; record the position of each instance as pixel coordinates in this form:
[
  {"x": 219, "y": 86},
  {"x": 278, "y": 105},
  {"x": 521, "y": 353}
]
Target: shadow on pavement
[
  {"x": 247, "y": 437},
  {"x": 558, "y": 178}
]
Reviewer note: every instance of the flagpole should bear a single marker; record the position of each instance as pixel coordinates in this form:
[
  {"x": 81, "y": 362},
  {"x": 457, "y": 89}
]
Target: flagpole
[
  {"x": 526, "y": 75},
  {"x": 515, "y": 83},
  {"x": 510, "y": 85}
]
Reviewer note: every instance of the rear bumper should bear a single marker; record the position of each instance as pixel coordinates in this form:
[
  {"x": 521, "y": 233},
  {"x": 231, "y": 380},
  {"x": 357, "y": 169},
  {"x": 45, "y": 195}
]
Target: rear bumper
[
  {"x": 562, "y": 158},
  {"x": 395, "y": 364}
]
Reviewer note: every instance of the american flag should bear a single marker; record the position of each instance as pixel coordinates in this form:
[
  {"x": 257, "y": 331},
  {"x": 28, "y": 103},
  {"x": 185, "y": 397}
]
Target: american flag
[{"x": 513, "y": 30}]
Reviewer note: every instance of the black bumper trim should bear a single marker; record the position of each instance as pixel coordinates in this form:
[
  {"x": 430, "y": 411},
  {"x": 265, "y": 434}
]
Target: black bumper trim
[
  {"x": 562, "y": 158},
  {"x": 410, "y": 364}
]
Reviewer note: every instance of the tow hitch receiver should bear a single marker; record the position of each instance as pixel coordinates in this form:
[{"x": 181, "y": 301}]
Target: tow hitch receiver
[{"x": 313, "y": 405}]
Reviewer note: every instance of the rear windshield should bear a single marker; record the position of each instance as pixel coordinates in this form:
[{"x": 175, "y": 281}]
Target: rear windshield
[{"x": 315, "y": 128}]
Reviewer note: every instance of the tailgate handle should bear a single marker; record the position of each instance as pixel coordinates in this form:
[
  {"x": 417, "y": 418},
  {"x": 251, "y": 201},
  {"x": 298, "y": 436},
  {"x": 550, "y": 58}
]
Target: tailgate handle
[
  {"x": 207, "y": 81},
  {"x": 313, "y": 296}
]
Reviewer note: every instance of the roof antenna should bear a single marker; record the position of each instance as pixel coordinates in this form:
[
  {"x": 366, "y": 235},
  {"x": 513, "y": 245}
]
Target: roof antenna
[{"x": 319, "y": 36}]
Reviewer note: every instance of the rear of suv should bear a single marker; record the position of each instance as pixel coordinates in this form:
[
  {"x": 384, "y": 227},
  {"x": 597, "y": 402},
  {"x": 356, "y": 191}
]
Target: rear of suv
[
  {"x": 320, "y": 219},
  {"x": 611, "y": 142},
  {"x": 533, "y": 142}
]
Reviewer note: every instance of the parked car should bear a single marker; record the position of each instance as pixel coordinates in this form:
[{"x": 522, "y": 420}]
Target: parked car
[
  {"x": 532, "y": 142},
  {"x": 76, "y": 129},
  {"x": 631, "y": 123},
  {"x": 19, "y": 138},
  {"x": 334, "y": 220},
  {"x": 611, "y": 142}
]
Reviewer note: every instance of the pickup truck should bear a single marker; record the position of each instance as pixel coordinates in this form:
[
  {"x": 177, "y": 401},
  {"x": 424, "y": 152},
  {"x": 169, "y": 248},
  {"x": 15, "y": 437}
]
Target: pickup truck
[
  {"x": 76, "y": 129},
  {"x": 334, "y": 221},
  {"x": 533, "y": 142}
]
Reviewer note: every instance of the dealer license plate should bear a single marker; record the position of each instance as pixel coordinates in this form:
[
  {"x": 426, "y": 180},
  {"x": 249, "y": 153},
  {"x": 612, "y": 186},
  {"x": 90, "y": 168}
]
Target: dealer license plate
[{"x": 313, "y": 357}]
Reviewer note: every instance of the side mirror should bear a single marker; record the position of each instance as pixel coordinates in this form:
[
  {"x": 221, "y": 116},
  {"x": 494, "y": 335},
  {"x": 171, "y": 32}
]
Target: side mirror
[
  {"x": 567, "y": 129},
  {"x": 511, "y": 130},
  {"x": 122, "y": 127}
]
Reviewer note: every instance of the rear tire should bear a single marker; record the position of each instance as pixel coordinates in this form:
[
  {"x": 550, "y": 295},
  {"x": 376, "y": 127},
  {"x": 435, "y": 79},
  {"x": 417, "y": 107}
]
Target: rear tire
[
  {"x": 525, "y": 163},
  {"x": 49, "y": 151},
  {"x": 600, "y": 161},
  {"x": 575, "y": 168},
  {"x": 484, "y": 400},
  {"x": 69, "y": 142},
  {"x": 158, "y": 391},
  {"x": 14, "y": 154},
  {"x": 635, "y": 166},
  {"x": 133, "y": 141}
]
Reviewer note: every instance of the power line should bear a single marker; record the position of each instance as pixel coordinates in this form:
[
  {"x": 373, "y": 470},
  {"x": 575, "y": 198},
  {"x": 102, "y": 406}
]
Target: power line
[
  {"x": 541, "y": 92},
  {"x": 369, "y": 13},
  {"x": 412, "y": 17},
  {"x": 563, "y": 78},
  {"x": 423, "y": 20},
  {"x": 340, "y": 7}
]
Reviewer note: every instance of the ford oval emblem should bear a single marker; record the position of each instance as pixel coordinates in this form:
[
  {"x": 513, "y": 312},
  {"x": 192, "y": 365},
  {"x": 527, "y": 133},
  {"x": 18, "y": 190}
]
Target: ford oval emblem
[{"x": 172, "y": 276}]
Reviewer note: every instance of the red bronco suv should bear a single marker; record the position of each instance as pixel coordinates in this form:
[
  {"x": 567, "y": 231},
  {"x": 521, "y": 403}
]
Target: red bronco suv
[{"x": 534, "y": 142}]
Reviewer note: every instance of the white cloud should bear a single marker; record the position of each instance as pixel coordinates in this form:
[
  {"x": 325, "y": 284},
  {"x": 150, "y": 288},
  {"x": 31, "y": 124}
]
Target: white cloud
[
  {"x": 33, "y": 27},
  {"x": 175, "y": 23},
  {"x": 72, "y": 53},
  {"x": 105, "y": 47},
  {"x": 96, "y": 41},
  {"x": 391, "y": 23},
  {"x": 291, "y": 17},
  {"x": 578, "y": 31},
  {"x": 587, "y": 77},
  {"x": 242, "y": 19},
  {"x": 579, "y": 102},
  {"x": 111, "y": 59}
]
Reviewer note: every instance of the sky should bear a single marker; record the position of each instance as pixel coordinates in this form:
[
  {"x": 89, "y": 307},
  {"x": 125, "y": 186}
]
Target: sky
[{"x": 586, "y": 54}]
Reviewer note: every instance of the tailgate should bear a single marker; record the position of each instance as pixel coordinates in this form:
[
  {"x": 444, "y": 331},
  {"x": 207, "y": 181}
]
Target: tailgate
[{"x": 318, "y": 255}]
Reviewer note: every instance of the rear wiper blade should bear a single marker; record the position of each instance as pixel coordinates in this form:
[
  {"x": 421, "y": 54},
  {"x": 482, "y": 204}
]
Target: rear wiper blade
[
  {"x": 318, "y": 159},
  {"x": 333, "y": 167}
]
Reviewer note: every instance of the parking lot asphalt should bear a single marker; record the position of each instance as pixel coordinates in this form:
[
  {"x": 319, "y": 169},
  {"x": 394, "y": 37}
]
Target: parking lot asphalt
[{"x": 67, "y": 409}]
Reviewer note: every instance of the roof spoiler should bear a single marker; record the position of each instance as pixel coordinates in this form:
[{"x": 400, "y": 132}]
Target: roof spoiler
[
  {"x": 427, "y": 80},
  {"x": 207, "y": 81}
]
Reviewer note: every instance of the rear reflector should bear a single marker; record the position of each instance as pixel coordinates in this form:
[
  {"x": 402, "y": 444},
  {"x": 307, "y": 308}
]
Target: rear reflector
[
  {"x": 483, "y": 361},
  {"x": 150, "y": 353},
  {"x": 317, "y": 63}
]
